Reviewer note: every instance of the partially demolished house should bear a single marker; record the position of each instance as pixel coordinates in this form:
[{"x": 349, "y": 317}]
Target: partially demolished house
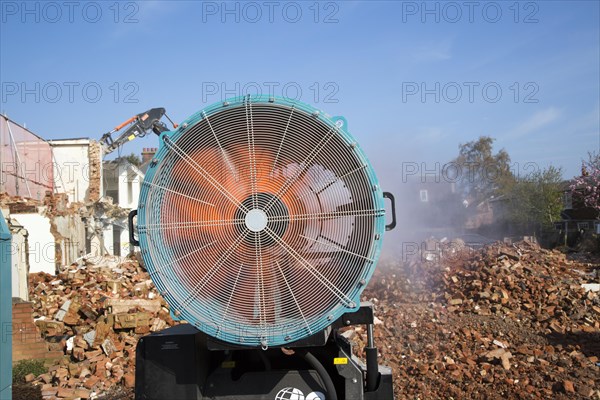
[
  {"x": 59, "y": 202},
  {"x": 122, "y": 183}
]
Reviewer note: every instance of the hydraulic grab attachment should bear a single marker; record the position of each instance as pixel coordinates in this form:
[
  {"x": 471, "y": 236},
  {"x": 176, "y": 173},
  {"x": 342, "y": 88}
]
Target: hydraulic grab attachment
[{"x": 139, "y": 126}]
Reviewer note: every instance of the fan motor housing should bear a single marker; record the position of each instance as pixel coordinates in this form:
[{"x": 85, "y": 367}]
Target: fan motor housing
[{"x": 260, "y": 220}]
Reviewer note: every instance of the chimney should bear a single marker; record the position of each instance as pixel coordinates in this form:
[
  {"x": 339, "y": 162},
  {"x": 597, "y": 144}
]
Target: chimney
[
  {"x": 584, "y": 171},
  {"x": 148, "y": 153}
]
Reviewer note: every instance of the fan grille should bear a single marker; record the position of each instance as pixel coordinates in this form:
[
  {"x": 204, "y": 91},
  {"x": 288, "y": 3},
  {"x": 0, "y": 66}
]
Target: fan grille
[{"x": 260, "y": 221}]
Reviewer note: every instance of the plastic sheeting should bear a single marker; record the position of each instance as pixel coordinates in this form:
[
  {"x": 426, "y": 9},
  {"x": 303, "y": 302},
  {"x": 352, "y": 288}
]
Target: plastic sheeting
[{"x": 26, "y": 167}]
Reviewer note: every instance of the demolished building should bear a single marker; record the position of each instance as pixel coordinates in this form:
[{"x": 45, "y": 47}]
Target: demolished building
[{"x": 59, "y": 201}]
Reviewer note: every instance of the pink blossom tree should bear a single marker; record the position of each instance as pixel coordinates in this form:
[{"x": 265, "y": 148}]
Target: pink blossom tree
[{"x": 587, "y": 186}]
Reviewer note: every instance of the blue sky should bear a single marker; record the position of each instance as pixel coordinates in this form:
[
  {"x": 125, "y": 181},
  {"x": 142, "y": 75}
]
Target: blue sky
[{"x": 367, "y": 60}]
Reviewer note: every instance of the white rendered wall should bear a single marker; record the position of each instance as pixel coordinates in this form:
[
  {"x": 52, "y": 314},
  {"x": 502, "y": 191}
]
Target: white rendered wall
[
  {"x": 41, "y": 245},
  {"x": 71, "y": 168}
]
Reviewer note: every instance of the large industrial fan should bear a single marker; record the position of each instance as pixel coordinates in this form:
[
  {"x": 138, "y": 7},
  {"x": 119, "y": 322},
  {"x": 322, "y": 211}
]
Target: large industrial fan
[{"x": 260, "y": 220}]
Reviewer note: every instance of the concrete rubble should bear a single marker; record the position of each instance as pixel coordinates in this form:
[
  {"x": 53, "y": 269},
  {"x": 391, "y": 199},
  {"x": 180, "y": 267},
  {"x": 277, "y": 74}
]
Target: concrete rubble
[
  {"x": 73, "y": 227},
  {"x": 504, "y": 321},
  {"x": 94, "y": 312}
]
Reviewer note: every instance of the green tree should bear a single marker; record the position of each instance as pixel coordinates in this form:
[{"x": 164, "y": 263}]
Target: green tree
[
  {"x": 131, "y": 159},
  {"x": 536, "y": 200},
  {"x": 483, "y": 174}
]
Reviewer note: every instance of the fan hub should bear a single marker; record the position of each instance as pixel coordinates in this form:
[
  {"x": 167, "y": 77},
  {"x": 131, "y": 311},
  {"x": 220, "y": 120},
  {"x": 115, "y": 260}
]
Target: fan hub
[
  {"x": 265, "y": 211},
  {"x": 256, "y": 220}
]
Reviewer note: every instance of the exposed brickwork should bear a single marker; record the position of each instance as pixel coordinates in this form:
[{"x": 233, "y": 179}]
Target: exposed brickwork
[
  {"x": 95, "y": 156},
  {"x": 27, "y": 341}
]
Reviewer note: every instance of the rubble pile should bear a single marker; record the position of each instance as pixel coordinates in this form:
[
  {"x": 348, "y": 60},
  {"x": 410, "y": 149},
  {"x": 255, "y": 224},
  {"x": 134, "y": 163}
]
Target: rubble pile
[
  {"x": 18, "y": 204},
  {"x": 525, "y": 282},
  {"x": 95, "y": 313},
  {"x": 505, "y": 321}
]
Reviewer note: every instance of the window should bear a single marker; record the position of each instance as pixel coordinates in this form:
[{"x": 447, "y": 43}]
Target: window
[
  {"x": 114, "y": 194},
  {"x": 583, "y": 226},
  {"x": 568, "y": 200},
  {"x": 423, "y": 195},
  {"x": 129, "y": 192},
  {"x": 116, "y": 240}
]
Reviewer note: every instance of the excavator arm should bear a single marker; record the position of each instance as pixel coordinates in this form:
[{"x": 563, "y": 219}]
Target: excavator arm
[{"x": 138, "y": 126}]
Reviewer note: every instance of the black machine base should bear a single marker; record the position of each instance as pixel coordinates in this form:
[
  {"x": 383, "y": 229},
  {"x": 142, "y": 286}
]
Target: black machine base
[{"x": 182, "y": 363}]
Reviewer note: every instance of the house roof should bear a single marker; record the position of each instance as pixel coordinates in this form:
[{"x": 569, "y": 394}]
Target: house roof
[
  {"x": 114, "y": 164},
  {"x": 144, "y": 166}
]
